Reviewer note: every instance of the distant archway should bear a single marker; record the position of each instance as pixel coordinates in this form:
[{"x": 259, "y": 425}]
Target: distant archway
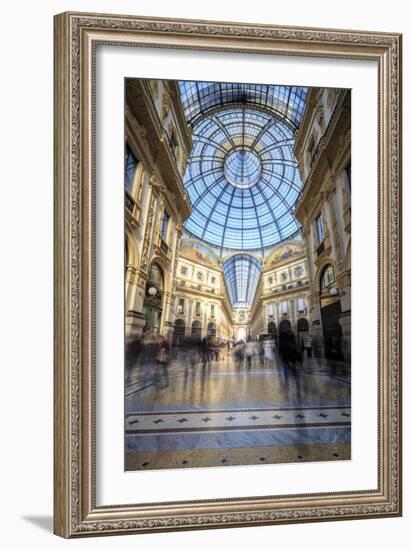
[
  {"x": 272, "y": 328},
  {"x": 330, "y": 311},
  {"x": 196, "y": 330},
  {"x": 178, "y": 331},
  {"x": 284, "y": 326},
  {"x": 241, "y": 334},
  {"x": 211, "y": 329},
  {"x": 303, "y": 325},
  {"x": 153, "y": 303}
]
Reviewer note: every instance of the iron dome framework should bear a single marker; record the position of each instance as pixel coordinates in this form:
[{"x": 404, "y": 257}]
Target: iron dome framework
[{"x": 242, "y": 176}]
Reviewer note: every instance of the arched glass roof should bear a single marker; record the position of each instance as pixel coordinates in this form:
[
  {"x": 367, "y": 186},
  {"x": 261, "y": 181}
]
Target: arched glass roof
[
  {"x": 242, "y": 273},
  {"x": 286, "y": 102},
  {"x": 242, "y": 178}
]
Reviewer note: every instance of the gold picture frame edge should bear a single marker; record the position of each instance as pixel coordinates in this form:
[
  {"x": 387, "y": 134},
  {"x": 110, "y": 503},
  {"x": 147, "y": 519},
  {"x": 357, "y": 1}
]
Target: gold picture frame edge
[{"x": 75, "y": 37}]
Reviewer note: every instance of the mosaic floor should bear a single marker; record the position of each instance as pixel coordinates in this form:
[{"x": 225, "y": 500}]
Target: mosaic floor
[{"x": 226, "y": 414}]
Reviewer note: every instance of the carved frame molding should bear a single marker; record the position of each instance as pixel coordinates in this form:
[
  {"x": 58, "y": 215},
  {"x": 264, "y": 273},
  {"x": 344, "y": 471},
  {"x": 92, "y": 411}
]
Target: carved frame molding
[{"x": 76, "y": 37}]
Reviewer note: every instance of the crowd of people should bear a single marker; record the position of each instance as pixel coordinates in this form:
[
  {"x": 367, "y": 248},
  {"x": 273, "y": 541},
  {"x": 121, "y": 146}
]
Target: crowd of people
[{"x": 153, "y": 354}]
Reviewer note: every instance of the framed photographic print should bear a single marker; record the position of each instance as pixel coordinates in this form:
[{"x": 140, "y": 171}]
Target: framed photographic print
[{"x": 227, "y": 274}]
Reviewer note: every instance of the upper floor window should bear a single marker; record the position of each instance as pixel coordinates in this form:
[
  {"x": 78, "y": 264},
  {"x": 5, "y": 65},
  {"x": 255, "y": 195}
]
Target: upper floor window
[
  {"x": 298, "y": 271},
  {"x": 319, "y": 228},
  {"x": 327, "y": 277},
  {"x": 213, "y": 280},
  {"x": 197, "y": 308},
  {"x": 270, "y": 280},
  {"x": 269, "y": 309},
  {"x": 199, "y": 275},
  {"x": 301, "y": 304},
  {"x": 181, "y": 305},
  {"x": 212, "y": 310},
  {"x": 285, "y": 307},
  {"x": 130, "y": 162},
  {"x": 183, "y": 270},
  {"x": 165, "y": 223}
]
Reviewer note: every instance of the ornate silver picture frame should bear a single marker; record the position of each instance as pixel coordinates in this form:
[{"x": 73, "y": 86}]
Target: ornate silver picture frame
[{"x": 77, "y": 512}]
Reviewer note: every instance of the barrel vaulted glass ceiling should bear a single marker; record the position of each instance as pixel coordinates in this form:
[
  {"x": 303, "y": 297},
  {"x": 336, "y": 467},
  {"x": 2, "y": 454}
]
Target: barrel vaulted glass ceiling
[
  {"x": 242, "y": 273},
  {"x": 242, "y": 177}
]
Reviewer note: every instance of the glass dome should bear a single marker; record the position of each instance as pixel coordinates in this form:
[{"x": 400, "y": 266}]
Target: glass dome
[
  {"x": 285, "y": 102},
  {"x": 242, "y": 168},
  {"x": 242, "y": 179}
]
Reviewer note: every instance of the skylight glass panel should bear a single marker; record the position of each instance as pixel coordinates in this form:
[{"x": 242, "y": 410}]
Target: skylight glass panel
[
  {"x": 242, "y": 273},
  {"x": 242, "y": 176}
]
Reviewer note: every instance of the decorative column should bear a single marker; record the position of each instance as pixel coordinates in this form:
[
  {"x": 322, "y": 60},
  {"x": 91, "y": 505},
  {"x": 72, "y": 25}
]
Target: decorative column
[
  {"x": 189, "y": 318},
  {"x": 152, "y": 223},
  {"x": 169, "y": 316},
  {"x": 343, "y": 280},
  {"x": 134, "y": 317},
  {"x": 340, "y": 263},
  {"x": 314, "y": 315},
  {"x": 346, "y": 208},
  {"x": 293, "y": 314}
]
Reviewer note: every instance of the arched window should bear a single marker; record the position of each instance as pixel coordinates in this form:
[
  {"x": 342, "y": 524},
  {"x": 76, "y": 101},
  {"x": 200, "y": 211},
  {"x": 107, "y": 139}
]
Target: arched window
[
  {"x": 327, "y": 278},
  {"x": 156, "y": 276},
  {"x": 284, "y": 326},
  {"x": 211, "y": 329},
  {"x": 196, "y": 329},
  {"x": 179, "y": 327},
  {"x": 302, "y": 325}
]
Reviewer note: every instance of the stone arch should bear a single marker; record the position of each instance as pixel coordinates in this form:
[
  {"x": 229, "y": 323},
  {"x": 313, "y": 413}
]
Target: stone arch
[
  {"x": 196, "y": 329},
  {"x": 327, "y": 269},
  {"x": 285, "y": 326},
  {"x": 211, "y": 329},
  {"x": 179, "y": 327},
  {"x": 241, "y": 334},
  {"x": 302, "y": 324},
  {"x": 165, "y": 270},
  {"x": 319, "y": 271}
]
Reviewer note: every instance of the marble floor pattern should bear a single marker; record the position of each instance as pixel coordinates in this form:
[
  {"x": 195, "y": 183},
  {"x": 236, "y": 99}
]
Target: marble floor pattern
[{"x": 226, "y": 414}]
